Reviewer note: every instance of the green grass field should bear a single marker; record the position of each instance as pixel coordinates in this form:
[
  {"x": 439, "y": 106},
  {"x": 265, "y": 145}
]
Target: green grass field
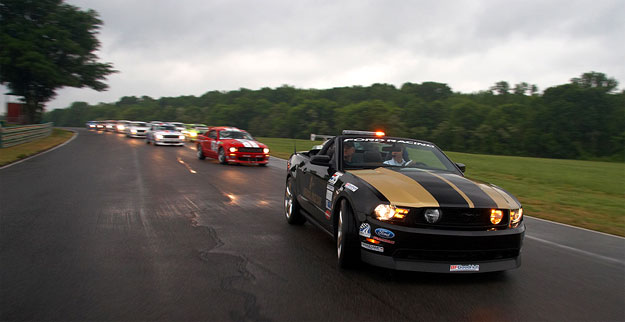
[
  {"x": 14, "y": 153},
  {"x": 580, "y": 193}
]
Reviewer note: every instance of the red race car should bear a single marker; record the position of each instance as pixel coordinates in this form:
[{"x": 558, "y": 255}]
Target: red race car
[{"x": 229, "y": 144}]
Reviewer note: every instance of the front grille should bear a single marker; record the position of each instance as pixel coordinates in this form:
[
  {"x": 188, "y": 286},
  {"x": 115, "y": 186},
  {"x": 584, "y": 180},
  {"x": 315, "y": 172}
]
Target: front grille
[
  {"x": 259, "y": 159},
  {"x": 250, "y": 150},
  {"x": 169, "y": 136},
  {"x": 456, "y": 219}
]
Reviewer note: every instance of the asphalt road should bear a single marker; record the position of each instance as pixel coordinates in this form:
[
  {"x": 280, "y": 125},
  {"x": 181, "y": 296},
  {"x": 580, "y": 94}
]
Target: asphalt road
[{"x": 109, "y": 228}]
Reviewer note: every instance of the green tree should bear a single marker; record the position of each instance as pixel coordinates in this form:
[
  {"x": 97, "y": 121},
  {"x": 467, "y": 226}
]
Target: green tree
[
  {"x": 501, "y": 88},
  {"x": 47, "y": 45},
  {"x": 595, "y": 80}
]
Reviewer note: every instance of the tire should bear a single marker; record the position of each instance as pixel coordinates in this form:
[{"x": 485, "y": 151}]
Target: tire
[
  {"x": 147, "y": 140},
  {"x": 200, "y": 153},
  {"x": 291, "y": 207},
  {"x": 262, "y": 164},
  {"x": 347, "y": 248},
  {"x": 222, "y": 156}
]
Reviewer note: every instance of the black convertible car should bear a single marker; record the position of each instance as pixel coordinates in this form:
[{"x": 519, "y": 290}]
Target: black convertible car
[{"x": 403, "y": 204}]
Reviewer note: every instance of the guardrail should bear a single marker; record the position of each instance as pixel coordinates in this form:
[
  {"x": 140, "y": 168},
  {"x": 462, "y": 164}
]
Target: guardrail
[{"x": 10, "y": 136}]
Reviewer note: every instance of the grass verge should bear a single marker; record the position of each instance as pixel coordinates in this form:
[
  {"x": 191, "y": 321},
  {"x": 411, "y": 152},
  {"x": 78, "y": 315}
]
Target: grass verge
[
  {"x": 24, "y": 150},
  {"x": 585, "y": 194},
  {"x": 283, "y": 148}
]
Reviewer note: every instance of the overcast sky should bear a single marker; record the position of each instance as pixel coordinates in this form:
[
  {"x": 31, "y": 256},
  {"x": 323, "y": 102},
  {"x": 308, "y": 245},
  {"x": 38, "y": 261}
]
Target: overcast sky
[{"x": 188, "y": 47}]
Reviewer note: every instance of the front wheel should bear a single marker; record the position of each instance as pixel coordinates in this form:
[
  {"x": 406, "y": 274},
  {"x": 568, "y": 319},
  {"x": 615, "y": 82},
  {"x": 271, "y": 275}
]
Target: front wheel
[
  {"x": 347, "y": 248},
  {"x": 200, "y": 153},
  {"x": 222, "y": 156},
  {"x": 291, "y": 206}
]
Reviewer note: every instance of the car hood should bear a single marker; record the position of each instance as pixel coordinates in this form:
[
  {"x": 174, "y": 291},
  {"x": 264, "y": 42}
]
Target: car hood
[
  {"x": 245, "y": 143},
  {"x": 420, "y": 188}
]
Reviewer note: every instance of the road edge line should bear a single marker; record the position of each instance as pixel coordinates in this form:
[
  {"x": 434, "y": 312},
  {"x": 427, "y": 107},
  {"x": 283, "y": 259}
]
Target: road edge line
[
  {"x": 581, "y": 251},
  {"x": 580, "y": 228},
  {"x": 43, "y": 152}
]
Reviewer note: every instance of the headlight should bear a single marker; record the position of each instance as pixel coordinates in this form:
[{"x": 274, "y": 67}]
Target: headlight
[
  {"x": 233, "y": 149},
  {"x": 133, "y": 131},
  {"x": 192, "y": 134},
  {"x": 387, "y": 212},
  {"x": 181, "y": 137},
  {"x": 159, "y": 137},
  {"x": 495, "y": 216},
  {"x": 515, "y": 216},
  {"x": 432, "y": 215},
  {"x": 266, "y": 150}
]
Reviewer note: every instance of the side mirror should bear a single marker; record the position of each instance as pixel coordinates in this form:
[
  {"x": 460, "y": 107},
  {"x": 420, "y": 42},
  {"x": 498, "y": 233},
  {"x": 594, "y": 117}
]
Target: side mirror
[
  {"x": 323, "y": 160},
  {"x": 461, "y": 166}
]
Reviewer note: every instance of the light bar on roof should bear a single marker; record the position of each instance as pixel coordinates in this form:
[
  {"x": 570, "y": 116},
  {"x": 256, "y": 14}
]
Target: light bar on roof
[{"x": 354, "y": 132}]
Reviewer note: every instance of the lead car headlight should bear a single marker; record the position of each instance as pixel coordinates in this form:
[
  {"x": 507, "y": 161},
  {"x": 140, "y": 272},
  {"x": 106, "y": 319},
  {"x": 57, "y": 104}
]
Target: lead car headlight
[
  {"x": 388, "y": 212},
  {"x": 159, "y": 137},
  {"x": 515, "y": 217}
]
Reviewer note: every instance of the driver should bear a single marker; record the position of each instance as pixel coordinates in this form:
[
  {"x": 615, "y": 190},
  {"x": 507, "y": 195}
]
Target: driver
[
  {"x": 348, "y": 152},
  {"x": 397, "y": 157}
]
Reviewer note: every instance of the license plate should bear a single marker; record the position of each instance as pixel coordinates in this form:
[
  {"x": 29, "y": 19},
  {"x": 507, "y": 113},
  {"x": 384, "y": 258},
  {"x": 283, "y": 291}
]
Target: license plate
[{"x": 247, "y": 156}]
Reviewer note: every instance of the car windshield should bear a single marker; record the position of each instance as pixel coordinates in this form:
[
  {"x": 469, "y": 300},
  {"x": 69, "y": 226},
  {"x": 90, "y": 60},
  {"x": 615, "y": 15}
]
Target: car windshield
[
  {"x": 235, "y": 135},
  {"x": 138, "y": 124},
  {"x": 368, "y": 153},
  {"x": 166, "y": 128}
]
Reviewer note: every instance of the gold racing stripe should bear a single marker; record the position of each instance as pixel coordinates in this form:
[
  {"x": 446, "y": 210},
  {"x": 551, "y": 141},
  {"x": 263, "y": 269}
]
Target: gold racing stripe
[
  {"x": 511, "y": 202},
  {"x": 399, "y": 189},
  {"x": 501, "y": 202},
  {"x": 471, "y": 205}
]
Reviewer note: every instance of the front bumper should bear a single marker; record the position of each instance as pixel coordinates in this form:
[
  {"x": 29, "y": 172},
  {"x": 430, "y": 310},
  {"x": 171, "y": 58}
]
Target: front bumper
[
  {"x": 443, "y": 251},
  {"x": 247, "y": 158},
  {"x": 136, "y": 134},
  {"x": 168, "y": 142}
]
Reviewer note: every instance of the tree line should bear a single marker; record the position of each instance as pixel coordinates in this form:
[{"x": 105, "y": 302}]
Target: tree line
[{"x": 583, "y": 119}]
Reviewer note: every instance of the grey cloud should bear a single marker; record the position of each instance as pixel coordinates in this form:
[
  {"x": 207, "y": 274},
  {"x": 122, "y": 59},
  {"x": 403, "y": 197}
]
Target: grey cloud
[{"x": 469, "y": 44}]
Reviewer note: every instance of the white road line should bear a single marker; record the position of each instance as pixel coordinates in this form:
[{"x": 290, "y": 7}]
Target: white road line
[
  {"x": 42, "y": 153},
  {"x": 605, "y": 258},
  {"x": 580, "y": 228}
]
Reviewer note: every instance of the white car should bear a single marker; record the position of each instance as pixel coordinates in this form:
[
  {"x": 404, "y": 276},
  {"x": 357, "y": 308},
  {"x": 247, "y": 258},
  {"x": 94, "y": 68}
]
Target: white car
[
  {"x": 121, "y": 126},
  {"x": 164, "y": 134},
  {"x": 137, "y": 129},
  {"x": 179, "y": 126}
]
